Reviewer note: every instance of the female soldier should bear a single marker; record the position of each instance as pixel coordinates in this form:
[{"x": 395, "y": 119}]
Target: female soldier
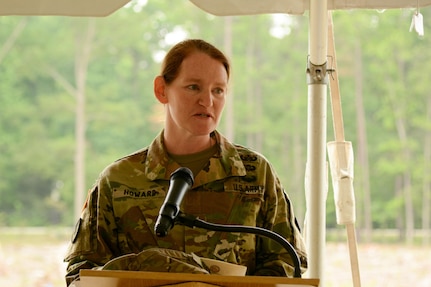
[{"x": 232, "y": 184}]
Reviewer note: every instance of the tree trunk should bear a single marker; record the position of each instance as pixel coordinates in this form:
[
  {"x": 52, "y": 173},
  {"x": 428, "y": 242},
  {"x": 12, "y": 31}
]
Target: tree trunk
[
  {"x": 426, "y": 199},
  {"x": 363, "y": 179},
  {"x": 408, "y": 206},
  {"x": 401, "y": 128},
  {"x": 260, "y": 133},
  {"x": 84, "y": 43},
  {"x": 250, "y": 93},
  {"x": 229, "y": 109},
  {"x": 10, "y": 41},
  {"x": 399, "y": 221},
  {"x": 406, "y": 182}
]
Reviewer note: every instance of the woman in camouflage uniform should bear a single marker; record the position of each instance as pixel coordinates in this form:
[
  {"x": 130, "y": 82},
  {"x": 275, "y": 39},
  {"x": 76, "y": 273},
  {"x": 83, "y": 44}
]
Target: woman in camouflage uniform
[{"x": 232, "y": 184}]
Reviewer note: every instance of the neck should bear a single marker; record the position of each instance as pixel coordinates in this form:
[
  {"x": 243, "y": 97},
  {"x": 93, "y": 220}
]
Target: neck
[{"x": 187, "y": 145}]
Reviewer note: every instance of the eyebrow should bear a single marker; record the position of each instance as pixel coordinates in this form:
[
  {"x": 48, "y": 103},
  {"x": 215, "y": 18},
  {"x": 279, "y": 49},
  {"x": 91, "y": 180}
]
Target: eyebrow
[{"x": 192, "y": 79}]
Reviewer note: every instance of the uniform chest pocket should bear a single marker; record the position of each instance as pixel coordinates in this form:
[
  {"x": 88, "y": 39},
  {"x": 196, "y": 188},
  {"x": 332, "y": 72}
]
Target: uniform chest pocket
[{"x": 136, "y": 211}]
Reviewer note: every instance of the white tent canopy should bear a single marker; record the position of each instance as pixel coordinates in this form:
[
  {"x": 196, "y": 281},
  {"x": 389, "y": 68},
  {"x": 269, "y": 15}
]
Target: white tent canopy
[
  {"x": 82, "y": 8},
  {"x": 98, "y": 8},
  {"x": 297, "y": 7}
]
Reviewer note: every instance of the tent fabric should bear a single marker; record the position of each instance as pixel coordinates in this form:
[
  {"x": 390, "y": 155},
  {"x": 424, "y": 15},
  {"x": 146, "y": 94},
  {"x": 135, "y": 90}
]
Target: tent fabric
[
  {"x": 81, "y": 8},
  {"x": 297, "y": 7},
  {"x": 101, "y": 8}
]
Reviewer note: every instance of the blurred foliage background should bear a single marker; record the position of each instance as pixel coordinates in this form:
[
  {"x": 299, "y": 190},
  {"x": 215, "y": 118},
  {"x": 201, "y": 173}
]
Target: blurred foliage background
[{"x": 77, "y": 94}]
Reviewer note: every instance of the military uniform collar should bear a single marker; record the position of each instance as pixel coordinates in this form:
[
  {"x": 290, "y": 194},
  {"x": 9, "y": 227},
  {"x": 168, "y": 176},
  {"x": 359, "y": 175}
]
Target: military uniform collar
[{"x": 226, "y": 163}]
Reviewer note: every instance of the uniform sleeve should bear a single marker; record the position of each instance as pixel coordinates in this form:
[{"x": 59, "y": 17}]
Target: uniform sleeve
[
  {"x": 278, "y": 216},
  {"x": 94, "y": 240}
]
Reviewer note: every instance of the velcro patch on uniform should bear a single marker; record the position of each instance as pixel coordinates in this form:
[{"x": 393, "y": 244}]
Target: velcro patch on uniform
[
  {"x": 124, "y": 191},
  {"x": 245, "y": 187}
]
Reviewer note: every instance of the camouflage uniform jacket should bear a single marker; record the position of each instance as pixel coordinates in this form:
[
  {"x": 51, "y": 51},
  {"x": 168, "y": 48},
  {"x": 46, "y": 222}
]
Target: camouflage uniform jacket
[{"x": 237, "y": 186}]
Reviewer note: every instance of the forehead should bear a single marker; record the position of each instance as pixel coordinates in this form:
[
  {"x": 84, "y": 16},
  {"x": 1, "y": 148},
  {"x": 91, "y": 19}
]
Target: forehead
[{"x": 200, "y": 65}]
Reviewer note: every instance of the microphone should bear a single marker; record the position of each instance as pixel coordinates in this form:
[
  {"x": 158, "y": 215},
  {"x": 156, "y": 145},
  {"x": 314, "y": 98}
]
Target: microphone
[{"x": 181, "y": 181}]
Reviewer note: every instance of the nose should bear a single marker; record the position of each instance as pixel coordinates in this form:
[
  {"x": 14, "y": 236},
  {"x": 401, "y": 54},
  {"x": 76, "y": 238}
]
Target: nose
[{"x": 206, "y": 98}]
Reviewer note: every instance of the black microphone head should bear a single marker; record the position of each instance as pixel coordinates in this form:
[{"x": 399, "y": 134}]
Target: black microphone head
[
  {"x": 185, "y": 173},
  {"x": 181, "y": 180},
  {"x": 162, "y": 226}
]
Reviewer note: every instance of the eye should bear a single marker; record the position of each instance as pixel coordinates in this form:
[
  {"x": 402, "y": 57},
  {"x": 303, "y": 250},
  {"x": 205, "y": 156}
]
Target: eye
[
  {"x": 219, "y": 91},
  {"x": 193, "y": 87}
]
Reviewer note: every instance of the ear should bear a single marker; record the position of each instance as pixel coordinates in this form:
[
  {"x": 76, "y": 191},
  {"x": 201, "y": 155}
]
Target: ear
[{"x": 159, "y": 89}]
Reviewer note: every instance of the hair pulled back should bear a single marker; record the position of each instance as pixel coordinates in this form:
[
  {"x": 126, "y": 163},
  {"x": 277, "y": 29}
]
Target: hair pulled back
[{"x": 176, "y": 55}]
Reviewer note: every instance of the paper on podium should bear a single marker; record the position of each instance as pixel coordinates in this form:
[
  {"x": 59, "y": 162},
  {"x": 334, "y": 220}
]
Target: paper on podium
[
  {"x": 218, "y": 267},
  {"x": 108, "y": 278}
]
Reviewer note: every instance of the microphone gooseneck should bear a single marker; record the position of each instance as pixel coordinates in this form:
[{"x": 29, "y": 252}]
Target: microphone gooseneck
[
  {"x": 181, "y": 181},
  {"x": 193, "y": 221}
]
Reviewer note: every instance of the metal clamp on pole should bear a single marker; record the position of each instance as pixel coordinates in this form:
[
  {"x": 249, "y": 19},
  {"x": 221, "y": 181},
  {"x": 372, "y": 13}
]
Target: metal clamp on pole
[{"x": 316, "y": 74}]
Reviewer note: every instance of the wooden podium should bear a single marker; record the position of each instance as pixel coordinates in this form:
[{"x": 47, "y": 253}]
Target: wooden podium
[{"x": 105, "y": 278}]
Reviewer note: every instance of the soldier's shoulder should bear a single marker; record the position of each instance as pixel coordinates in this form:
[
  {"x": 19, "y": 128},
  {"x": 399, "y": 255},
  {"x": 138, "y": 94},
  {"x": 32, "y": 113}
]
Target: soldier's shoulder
[
  {"x": 136, "y": 155},
  {"x": 249, "y": 154},
  {"x": 132, "y": 160}
]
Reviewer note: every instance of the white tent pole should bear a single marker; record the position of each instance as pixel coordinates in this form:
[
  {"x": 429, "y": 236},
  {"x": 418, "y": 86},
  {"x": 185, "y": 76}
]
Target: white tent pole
[
  {"x": 316, "y": 174},
  {"x": 318, "y": 20}
]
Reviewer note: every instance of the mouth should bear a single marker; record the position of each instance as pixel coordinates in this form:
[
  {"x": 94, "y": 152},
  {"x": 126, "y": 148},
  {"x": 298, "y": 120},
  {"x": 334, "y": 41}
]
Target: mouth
[{"x": 203, "y": 115}]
